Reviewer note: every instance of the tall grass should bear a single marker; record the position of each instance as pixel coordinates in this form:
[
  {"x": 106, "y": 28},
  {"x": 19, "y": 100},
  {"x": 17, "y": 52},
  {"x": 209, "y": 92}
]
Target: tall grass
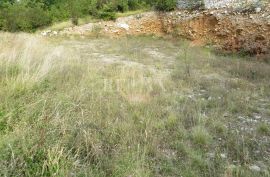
[{"x": 125, "y": 107}]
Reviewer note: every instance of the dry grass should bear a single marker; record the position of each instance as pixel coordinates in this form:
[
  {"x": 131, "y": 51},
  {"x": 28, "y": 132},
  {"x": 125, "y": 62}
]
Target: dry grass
[{"x": 135, "y": 106}]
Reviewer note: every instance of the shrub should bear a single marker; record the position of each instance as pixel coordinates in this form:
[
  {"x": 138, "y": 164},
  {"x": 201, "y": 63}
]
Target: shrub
[
  {"x": 107, "y": 13},
  {"x": 121, "y": 5},
  {"x": 165, "y": 5},
  {"x": 21, "y": 18},
  {"x": 26, "y": 15},
  {"x": 75, "y": 21},
  {"x": 93, "y": 8},
  {"x": 38, "y": 17},
  {"x": 134, "y": 4},
  {"x": 75, "y": 11},
  {"x": 58, "y": 13}
]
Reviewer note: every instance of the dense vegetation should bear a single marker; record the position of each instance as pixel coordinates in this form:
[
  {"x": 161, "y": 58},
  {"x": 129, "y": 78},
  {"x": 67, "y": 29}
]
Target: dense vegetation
[{"x": 28, "y": 15}]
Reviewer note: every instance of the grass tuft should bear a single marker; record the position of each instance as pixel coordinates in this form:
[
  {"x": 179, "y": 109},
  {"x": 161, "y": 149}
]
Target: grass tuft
[{"x": 200, "y": 136}]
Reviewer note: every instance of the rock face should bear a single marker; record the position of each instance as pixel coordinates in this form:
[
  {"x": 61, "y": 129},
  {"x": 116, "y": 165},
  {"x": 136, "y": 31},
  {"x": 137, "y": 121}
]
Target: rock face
[
  {"x": 210, "y": 4},
  {"x": 189, "y": 4},
  {"x": 123, "y": 25},
  {"x": 255, "y": 168},
  {"x": 146, "y": 23},
  {"x": 224, "y": 28}
]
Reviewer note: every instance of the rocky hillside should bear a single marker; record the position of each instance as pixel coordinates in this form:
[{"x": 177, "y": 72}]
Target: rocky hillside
[
  {"x": 246, "y": 30},
  {"x": 227, "y": 29}
]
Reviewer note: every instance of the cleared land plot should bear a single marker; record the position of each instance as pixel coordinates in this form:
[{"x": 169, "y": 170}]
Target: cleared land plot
[{"x": 135, "y": 106}]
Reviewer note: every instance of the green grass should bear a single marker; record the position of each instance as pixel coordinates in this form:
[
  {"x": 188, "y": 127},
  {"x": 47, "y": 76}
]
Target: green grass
[
  {"x": 200, "y": 136},
  {"x": 87, "y": 19},
  {"x": 128, "y": 13},
  {"x": 263, "y": 129},
  {"x": 134, "y": 106},
  {"x": 66, "y": 24}
]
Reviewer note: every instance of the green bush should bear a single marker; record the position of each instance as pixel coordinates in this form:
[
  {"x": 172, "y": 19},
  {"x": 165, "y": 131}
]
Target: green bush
[
  {"x": 107, "y": 13},
  {"x": 18, "y": 17},
  {"x": 58, "y": 13},
  {"x": 29, "y": 15},
  {"x": 121, "y": 5},
  {"x": 134, "y": 4},
  {"x": 38, "y": 17},
  {"x": 165, "y": 5},
  {"x": 93, "y": 8}
]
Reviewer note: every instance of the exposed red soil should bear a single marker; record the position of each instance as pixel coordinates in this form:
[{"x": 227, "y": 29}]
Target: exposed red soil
[{"x": 235, "y": 32}]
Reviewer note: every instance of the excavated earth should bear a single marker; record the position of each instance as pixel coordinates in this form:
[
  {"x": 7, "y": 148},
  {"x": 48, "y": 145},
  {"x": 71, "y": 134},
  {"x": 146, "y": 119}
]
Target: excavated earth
[{"x": 224, "y": 28}]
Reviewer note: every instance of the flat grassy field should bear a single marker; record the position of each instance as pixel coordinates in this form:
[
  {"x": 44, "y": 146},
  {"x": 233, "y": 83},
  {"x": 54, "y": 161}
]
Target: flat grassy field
[{"x": 130, "y": 107}]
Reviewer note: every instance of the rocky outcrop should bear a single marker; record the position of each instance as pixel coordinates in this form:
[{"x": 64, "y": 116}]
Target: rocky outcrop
[
  {"x": 146, "y": 23},
  {"x": 211, "y": 4},
  {"x": 226, "y": 29}
]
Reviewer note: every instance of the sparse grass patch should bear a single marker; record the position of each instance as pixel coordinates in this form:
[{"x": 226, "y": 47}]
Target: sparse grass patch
[{"x": 218, "y": 127}]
